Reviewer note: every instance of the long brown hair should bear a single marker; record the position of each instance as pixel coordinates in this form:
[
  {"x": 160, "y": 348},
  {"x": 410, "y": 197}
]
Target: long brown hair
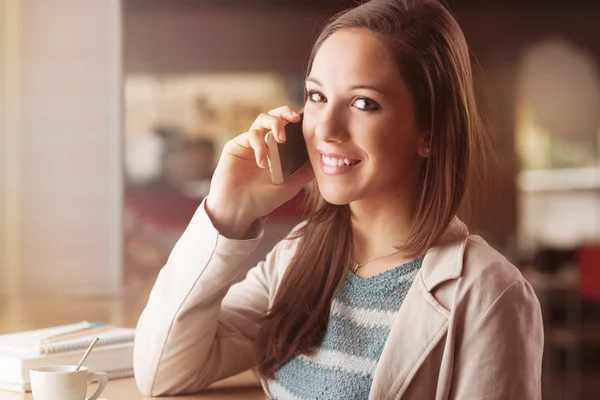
[{"x": 432, "y": 55}]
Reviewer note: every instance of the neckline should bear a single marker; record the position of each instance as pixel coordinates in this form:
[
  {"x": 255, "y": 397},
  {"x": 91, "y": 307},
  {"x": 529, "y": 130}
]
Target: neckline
[{"x": 397, "y": 271}]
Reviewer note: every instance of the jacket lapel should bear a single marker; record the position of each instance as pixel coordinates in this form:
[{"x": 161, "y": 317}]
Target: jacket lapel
[{"x": 421, "y": 321}]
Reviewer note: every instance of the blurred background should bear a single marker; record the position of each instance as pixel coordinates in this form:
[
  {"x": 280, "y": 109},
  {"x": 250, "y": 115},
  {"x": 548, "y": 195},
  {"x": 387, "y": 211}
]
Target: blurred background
[{"x": 113, "y": 115}]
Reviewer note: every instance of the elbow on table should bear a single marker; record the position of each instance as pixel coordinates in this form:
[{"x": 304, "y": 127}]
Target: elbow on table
[
  {"x": 155, "y": 382},
  {"x": 145, "y": 377},
  {"x": 149, "y": 377}
]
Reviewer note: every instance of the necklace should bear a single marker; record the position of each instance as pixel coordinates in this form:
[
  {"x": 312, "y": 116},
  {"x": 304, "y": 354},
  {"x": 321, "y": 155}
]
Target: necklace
[{"x": 359, "y": 265}]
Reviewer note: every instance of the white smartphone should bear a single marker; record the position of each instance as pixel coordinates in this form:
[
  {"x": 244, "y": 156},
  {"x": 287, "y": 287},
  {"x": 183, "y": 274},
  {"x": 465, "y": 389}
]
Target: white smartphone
[{"x": 286, "y": 158}]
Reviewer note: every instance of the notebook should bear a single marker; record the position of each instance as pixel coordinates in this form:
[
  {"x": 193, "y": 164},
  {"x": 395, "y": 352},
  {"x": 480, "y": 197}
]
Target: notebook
[
  {"x": 33, "y": 341},
  {"x": 19, "y": 352}
]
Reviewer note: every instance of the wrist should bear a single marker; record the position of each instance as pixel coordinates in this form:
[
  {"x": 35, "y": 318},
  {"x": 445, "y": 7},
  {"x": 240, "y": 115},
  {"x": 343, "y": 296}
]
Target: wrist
[{"x": 231, "y": 222}]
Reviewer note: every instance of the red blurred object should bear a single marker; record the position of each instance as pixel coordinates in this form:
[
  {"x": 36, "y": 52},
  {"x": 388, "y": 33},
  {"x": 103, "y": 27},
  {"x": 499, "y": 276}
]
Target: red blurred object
[
  {"x": 161, "y": 209},
  {"x": 169, "y": 210},
  {"x": 588, "y": 262},
  {"x": 155, "y": 218}
]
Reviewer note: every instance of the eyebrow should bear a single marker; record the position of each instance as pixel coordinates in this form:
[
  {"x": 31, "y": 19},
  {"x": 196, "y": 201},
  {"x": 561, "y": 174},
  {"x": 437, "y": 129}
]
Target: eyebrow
[{"x": 352, "y": 87}]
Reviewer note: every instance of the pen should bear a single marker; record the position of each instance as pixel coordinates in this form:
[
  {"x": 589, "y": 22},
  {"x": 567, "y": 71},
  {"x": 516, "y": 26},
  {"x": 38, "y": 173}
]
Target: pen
[{"x": 93, "y": 328}]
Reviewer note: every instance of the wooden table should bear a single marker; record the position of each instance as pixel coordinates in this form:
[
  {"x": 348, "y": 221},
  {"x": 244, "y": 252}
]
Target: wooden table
[{"x": 241, "y": 386}]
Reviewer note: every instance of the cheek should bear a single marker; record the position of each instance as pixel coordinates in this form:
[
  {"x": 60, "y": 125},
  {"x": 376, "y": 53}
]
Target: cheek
[
  {"x": 308, "y": 131},
  {"x": 305, "y": 133},
  {"x": 393, "y": 151}
]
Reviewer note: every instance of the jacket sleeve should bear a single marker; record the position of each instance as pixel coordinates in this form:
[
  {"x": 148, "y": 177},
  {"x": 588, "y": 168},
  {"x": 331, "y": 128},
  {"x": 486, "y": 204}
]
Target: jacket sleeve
[
  {"x": 502, "y": 357},
  {"x": 196, "y": 328}
]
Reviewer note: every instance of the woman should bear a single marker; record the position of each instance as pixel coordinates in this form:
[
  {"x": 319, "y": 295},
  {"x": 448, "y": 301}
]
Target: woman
[{"x": 381, "y": 293}]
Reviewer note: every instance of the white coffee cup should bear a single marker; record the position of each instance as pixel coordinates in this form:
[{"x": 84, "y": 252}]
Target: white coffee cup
[{"x": 62, "y": 382}]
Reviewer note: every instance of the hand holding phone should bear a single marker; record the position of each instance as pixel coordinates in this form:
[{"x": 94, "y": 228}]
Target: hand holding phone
[
  {"x": 288, "y": 157},
  {"x": 241, "y": 190}
]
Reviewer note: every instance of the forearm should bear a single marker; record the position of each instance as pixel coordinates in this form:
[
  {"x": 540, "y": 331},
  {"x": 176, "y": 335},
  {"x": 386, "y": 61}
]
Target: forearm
[{"x": 176, "y": 330}]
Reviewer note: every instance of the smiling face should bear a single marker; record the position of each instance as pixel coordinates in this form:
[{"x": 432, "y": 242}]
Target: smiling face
[{"x": 359, "y": 122}]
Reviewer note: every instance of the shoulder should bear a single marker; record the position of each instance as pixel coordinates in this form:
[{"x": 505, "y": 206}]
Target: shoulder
[
  {"x": 494, "y": 302},
  {"x": 483, "y": 266},
  {"x": 489, "y": 280}
]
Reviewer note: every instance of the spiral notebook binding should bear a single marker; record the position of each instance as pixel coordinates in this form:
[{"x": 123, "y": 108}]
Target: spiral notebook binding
[
  {"x": 120, "y": 373},
  {"x": 80, "y": 344}
]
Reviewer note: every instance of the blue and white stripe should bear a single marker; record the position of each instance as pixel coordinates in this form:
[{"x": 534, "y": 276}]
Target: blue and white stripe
[{"x": 362, "y": 314}]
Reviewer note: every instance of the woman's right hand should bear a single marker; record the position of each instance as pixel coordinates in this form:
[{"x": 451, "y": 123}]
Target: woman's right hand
[{"x": 241, "y": 190}]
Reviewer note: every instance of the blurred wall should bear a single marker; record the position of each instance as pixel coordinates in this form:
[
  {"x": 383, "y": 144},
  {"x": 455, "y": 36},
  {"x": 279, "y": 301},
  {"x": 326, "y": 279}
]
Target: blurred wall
[
  {"x": 188, "y": 39},
  {"x": 6, "y": 37},
  {"x": 64, "y": 230},
  {"x": 191, "y": 39},
  {"x": 498, "y": 39}
]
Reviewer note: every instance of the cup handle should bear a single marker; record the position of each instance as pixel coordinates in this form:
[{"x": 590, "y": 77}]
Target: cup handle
[{"x": 102, "y": 380}]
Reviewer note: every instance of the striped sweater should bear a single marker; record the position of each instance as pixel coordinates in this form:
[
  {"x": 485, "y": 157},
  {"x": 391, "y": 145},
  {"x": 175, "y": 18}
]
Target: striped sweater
[{"x": 361, "y": 316}]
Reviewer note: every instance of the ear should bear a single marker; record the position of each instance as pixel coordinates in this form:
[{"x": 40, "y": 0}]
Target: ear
[{"x": 424, "y": 148}]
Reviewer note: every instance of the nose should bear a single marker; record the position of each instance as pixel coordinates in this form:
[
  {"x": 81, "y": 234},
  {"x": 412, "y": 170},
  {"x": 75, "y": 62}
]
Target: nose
[{"x": 330, "y": 127}]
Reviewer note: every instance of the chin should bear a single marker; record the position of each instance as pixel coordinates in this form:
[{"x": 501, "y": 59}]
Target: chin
[
  {"x": 336, "y": 197},
  {"x": 337, "y": 201}
]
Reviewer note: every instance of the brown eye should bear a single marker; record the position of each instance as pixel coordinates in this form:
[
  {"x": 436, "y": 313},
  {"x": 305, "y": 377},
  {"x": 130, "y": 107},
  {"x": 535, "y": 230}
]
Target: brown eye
[
  {"x": 366, "y": 104},
  {"x": 315, "y": 96}
]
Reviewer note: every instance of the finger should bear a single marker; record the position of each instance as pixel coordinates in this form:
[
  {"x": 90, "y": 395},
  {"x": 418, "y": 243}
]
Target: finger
[
  {"x": 238, "y": 146},
  {"x": 266, "y": 122},
  {"x": 286, "y": 112},
  {"x": 256, "y": 140}
]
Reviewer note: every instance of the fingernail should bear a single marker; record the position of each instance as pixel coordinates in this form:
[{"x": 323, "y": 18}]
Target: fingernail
[
  {"x": 264, "y": 163},
  {"x": 282, "y": 135},
  {"x": 295, "y": 114}
]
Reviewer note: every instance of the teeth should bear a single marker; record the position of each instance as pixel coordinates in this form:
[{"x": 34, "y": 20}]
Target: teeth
[{"x": 336, "y": 162}]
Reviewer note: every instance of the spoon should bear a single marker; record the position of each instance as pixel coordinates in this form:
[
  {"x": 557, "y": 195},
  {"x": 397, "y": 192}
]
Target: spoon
[{"x": 87, "y": 353}]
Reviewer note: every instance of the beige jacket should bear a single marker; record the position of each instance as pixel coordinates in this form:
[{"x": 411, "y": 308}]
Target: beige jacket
[{"x": 470, "y": 326}]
